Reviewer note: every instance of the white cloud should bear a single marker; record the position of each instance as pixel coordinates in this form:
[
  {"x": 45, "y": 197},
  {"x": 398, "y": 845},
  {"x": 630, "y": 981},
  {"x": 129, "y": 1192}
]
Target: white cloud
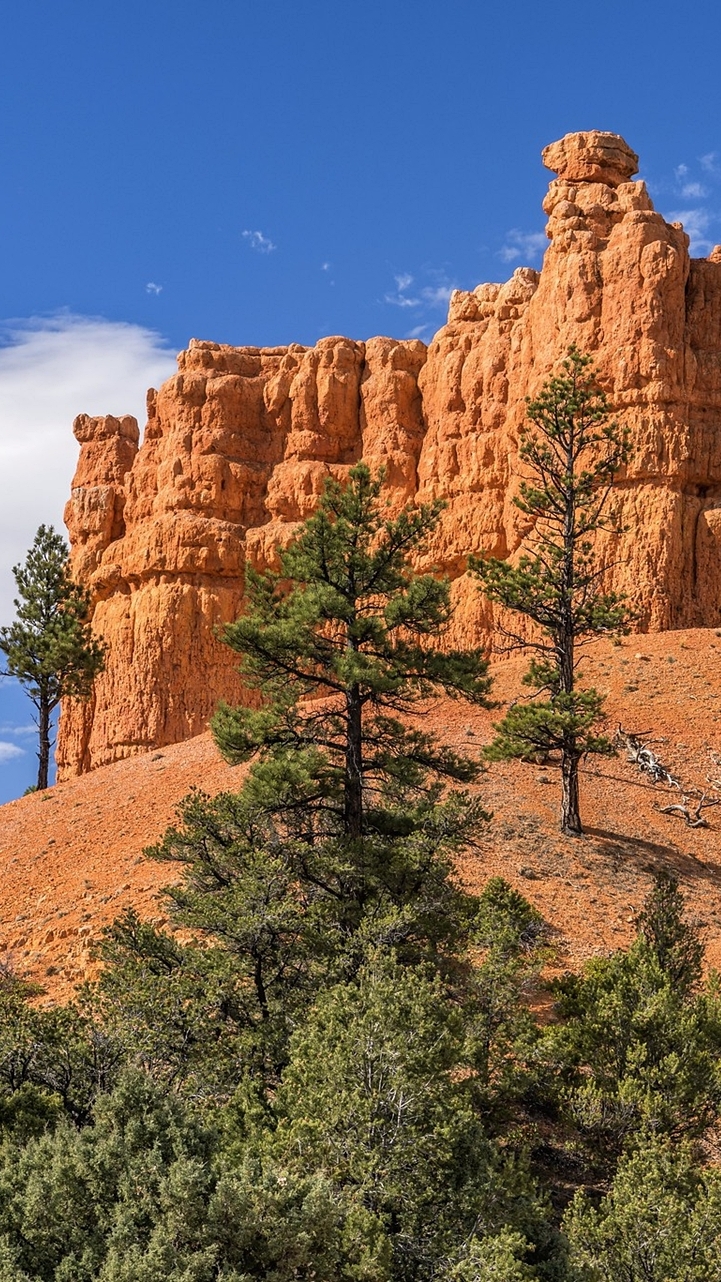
[
  {"x": 8, "y": 727},
  {"x": 9, "y": 751},
  {"x": 698, "y": 219},
  {"x": 401, "y": 300},
  {"x": 437, "y": 295},
  {"x": 429, "y": 297},
  {"x": 260, "y": 243},
  {"x": 696, "y": 223},
  {"x": 419, "y": 331},
  {"x": 522, "y": 245},
  {"x": 702, "y": 215},
  {"x": 325, "y": 267},
  {"x": 51, "y": 369},
  {"x": 152, "y": 288}
]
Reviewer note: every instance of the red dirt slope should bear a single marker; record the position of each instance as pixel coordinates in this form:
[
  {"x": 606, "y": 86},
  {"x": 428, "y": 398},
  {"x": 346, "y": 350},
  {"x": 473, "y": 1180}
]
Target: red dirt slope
[{"x": 71, "y": 858}]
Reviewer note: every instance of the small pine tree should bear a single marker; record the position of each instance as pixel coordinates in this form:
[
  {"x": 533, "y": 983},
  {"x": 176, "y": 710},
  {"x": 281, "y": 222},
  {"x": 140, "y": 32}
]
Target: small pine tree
[
  {"x": 573, "y": 456},
  {"x": 673, "y": 940},
  {"x": 50, "y": 648},
  {"x": 347, "y": 618},
  {"x": 640, "y": 1036},
  {"x": 659, "y": 1222}
]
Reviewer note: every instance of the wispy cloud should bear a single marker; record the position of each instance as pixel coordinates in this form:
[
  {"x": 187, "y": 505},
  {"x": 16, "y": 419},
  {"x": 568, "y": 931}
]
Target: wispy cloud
[
  {"x": 325, "y": 267},
  {"x": 8, "y": 727},
  {"x": 52, "y": 368},
  {"x": 696, "y": 224},
  {"x": 425, "y": 296},
  {"x": 437, "y": 295},
  {"x": 522, "y": 246},
  {"x": 152, "y": 288},
  {"x": 260, "y": 243},
  {"x": 695, "y": 182},
  {"x": 399, "y": 297},
  {"x": 433, "y": 296},
  {"x": 9, "y": 751}
]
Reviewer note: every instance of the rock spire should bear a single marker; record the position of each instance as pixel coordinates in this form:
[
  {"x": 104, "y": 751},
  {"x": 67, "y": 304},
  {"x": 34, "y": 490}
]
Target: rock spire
[{"x": 239, "y": 441}]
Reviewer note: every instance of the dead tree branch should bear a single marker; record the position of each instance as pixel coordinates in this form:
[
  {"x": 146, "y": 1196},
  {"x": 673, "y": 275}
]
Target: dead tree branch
[
  {"x": 694, "y": 818},
  {"x": 640, "y": 752}
]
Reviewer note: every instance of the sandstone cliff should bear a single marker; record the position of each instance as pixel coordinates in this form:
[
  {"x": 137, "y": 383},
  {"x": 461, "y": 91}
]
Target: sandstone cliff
[{"x": 238, "y": 443}]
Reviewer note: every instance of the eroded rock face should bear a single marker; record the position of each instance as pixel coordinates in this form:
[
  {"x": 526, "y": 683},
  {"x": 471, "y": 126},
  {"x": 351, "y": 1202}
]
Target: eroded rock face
[{"x": 238, "y": 444}]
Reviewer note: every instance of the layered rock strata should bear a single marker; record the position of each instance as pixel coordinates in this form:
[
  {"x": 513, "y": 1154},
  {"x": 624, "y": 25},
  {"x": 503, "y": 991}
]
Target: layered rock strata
[{"x": 239, "y": 442}]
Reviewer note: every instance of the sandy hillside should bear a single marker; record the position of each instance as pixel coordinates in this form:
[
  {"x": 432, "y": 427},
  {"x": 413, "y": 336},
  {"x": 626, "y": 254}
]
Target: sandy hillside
[{"x": 72, "y": 858}]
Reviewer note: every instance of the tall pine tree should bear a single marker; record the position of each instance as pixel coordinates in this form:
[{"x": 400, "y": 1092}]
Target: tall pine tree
[
  {"x": 343, "y": 837},
  {"x": 572, "y": 453},
  {"x": 50, "y": 648},
  {"x": 347, "y": 621}
]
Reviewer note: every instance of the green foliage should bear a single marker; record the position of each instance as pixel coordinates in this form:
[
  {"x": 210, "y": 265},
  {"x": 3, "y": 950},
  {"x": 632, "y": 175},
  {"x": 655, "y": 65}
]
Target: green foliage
[
  {"x": 572, "y": 454},
  {"x": 661, "y": 1222},
  {"x": 52, "y": 1060},
  {"x": 530, "y": 731},
  {"x": 348, "y": 619},
  {"x": 371, "y": 1160},
  {"x": 342, "y": 840},
  {"x": 506, "y": 922},
  {"x": 50, "y": 648},
  {"x": 390, "y": 1145},
  {"x": 328, "y": 1067},
  {"x": 491, "y": 1259},
  {"x": 382, "y": 1092},
  {"x": 176, "y": 1010},
  {"x": 640, "y": 1048},
  {"x": 143, "y": 1195},
  {"x": 511, "y": 934},
  {"x": 275, "y": 920},
  {"x": 674, "y": 942}
]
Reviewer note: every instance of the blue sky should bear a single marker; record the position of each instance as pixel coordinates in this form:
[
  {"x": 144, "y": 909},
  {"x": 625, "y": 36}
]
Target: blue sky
[{"x": 267, "y": 173}]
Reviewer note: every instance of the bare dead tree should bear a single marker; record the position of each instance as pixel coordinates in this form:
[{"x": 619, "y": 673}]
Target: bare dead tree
[
  {"x": 694, "y": 818},
  {"x": 693, "y": 803},
  {"x": 639, "y": 751}
]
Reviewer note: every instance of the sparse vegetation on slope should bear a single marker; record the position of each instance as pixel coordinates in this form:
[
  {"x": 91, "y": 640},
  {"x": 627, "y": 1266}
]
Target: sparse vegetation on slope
[{"x": 336, "y": 1062}]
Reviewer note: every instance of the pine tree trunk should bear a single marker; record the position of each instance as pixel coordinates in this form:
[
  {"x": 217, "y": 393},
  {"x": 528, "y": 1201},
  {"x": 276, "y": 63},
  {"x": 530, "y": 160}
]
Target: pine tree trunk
[
  {"x": 44, "y": 743},
  {"x": 353, "y": 808},
  {"x": 570, "y": 813}
]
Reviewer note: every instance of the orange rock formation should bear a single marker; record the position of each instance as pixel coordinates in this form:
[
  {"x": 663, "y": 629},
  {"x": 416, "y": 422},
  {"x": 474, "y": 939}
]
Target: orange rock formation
[{"x": 239, "y": 441}]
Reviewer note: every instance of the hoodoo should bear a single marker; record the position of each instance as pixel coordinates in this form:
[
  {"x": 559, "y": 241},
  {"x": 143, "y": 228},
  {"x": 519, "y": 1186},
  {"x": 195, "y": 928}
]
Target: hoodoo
[{"x": 239, "y": 440}]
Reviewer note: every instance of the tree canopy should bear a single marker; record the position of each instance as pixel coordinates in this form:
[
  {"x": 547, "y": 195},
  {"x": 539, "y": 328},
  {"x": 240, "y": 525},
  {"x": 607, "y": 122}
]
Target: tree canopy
[{"x": 347, "y": 621}]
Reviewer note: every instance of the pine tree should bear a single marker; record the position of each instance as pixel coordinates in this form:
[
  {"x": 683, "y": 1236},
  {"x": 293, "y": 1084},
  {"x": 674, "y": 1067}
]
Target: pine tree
[
  {"x": 640, "y": 1037},
  {"x": 659, "y": 1222},
  {"x": 347, "y": 618},
  {"x": 381, "y": 1091},
  {"x": 573, "y": 455},
  {"x": 674, "y": 941},
  {"x": 50, "y": 648},
  {"x": 343, "y": 837}
]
